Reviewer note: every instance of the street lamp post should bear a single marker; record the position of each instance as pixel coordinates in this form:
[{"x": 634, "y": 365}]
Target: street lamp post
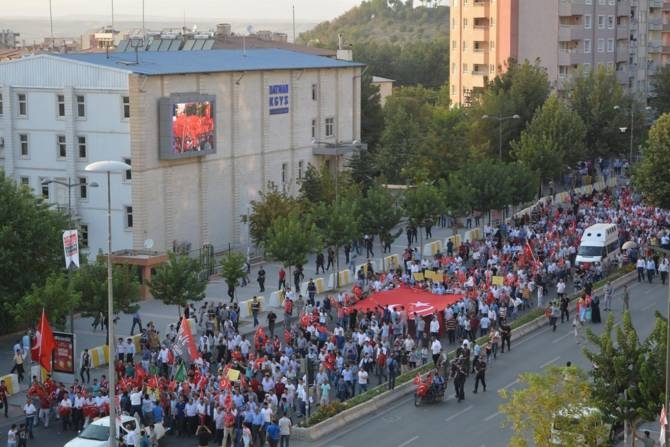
[
  {"x": 500, "y": 119},
  {"x": 339, "y": 149},
  {"x": 108, "y": 167},
  {"x": 632, "y": 129},
  {"x": 69, "y": 185}
]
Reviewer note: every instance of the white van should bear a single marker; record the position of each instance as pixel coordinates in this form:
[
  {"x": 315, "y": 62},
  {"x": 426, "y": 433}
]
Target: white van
[{"x": 600, "y": 243}]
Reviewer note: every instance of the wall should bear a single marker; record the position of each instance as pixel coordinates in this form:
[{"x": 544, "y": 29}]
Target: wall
[{"x": 201, "y": 199}]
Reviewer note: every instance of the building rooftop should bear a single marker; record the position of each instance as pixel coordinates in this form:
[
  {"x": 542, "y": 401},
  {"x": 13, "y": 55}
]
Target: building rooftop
[{"x": 211, "y": 61}]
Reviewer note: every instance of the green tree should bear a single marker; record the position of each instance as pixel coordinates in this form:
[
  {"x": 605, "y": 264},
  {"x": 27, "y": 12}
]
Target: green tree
[
  {"x": 290, "y": 239},
  {"x": 520, "y": 90},
  {"x": 661, "y": 86},
  {"x": 372, "y": 116},
  {"x": 338, "y": 224},
  {"x": 233, "y": 268},
  {"x": 31, "y": 245},
  {"x": 651, "y": 174},
  {"x": 57, "y": 296},
  {"x": 530, "y": 411},
  {"x": 271, "y": 204},
  {"x": 318, "y": 185},
  {"x": 379, "y": 213},
  {"x": 178, "y": 281},
  {"x": 617, "y": 366},
  {"x": 483, "y": 186},
  {"x": 593, "y": 94},
  {"x": 522, "y": 182},
  {"x": 422, "y": 204},
  {"x": 90, "y": 281}
]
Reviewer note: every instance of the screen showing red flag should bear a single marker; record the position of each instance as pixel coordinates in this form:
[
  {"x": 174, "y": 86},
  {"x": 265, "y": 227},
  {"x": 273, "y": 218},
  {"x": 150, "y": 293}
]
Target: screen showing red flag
[{"x": 45, "y": 343}]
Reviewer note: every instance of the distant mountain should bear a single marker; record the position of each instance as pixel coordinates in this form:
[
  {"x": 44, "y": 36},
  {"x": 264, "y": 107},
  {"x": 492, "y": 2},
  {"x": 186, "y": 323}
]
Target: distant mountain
[{"x": 383, "y": 21}]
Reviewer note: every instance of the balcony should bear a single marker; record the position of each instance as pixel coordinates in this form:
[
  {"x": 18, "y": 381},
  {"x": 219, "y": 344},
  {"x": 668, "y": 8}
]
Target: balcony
[
  {"x": 622, "y": 54},
  {"x": 623, "y": 8},
  {"x": 622, "y": 77},
  {"x": 479, "y": 56},
  {"x": 568, "y": 8},
  {"x": 665, "y": 6},
  {"x": 622, "y": 32},
  {"x": 567, "y": 33},
  {"x": 655, "y": 3},
  {"x": 480, "y": 33},
  {"x": 566, "y": 56},
  {"x": 479, "y": 72},
  {"x": 665, "y": 49},
  {"x": 655, "y": 25}
]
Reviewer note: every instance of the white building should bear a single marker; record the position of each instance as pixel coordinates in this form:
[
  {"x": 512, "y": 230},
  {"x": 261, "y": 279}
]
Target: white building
[{"x": 59, "y": 113}]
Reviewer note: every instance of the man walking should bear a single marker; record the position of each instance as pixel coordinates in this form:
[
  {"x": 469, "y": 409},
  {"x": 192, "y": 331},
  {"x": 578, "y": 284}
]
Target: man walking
[
  {"x": 30, "y": 412},
  {"x": 459, "y": 374},
  {"x": 3, "y": 397},
  {"x": 85, "y": 368},
  {"x": 136, "y": 321},
  {"x": 506, "y": 335},
  {"x": 608, "y": 295},
  {"x": 480, "y": 373},
  {"x": 284, "y": 430},
  {"x": 261, "y": 279}
]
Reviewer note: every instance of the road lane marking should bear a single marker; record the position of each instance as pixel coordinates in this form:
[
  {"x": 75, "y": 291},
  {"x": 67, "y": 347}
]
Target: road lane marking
[
  {"x": 525, "y": 338},
  {"x": 409, "y": 441},
  {"x": 545, "y": 364},
  {"x": 509, "y": 385},
  {"x": 562, "y": 337},
  {"x": 649, "y": 306},
  {"x": 455, "y": 415},
  {"x": 493, "y": 416}
]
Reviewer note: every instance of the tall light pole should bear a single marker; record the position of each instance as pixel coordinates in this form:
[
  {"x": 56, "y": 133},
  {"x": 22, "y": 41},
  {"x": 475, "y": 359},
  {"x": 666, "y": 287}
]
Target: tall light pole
[
  {"x": 632, "y": 128},
  {"x": 500, "y": 119},
  {"x": 337, "y": 150},
  {"x": 69, "y": 185},
  {"x": 109, "y": 167}
]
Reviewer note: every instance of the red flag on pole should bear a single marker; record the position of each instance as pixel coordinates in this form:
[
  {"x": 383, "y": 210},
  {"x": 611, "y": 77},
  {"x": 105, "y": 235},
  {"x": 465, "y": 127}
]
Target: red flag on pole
[
  {"x": 663, "y": 421},
  {"x": 45, "y": 343}
]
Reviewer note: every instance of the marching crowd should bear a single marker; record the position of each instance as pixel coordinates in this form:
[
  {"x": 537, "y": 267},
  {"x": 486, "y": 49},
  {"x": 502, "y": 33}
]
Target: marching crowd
[{"x": 248, "y": 391}]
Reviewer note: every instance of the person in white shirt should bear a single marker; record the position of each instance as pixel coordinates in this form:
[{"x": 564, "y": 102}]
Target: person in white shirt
[
  {"x": 65, "y": 411},
  {"x": 121, "y": 349},
  {"x": 130, "y": 350},
  {"x": 29, "y": 411},
  {"x": 136, "y": 402},
  {"x": 434, "y": 327},
  {"x": 362, "y": 380},
  {"x": 436, "y": 349}
]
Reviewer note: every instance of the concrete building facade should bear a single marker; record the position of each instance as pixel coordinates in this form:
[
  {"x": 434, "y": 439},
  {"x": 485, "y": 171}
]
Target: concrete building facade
[
  {"x": 565, "y": 36},
  {"x": 187, "y": 201}
]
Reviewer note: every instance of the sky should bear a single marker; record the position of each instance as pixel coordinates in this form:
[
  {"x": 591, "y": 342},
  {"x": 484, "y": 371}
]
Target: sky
[{"x": 225, "y": 9}]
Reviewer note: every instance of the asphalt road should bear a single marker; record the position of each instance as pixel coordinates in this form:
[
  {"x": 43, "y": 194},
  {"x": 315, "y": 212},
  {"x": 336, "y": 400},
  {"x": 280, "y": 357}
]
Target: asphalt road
[{"x": 474, "y": 422}]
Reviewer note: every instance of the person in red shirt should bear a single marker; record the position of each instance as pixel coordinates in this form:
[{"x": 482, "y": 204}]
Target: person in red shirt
[
  {"x": 282, "y": 278},
  {"x": 3, "y": 397}
]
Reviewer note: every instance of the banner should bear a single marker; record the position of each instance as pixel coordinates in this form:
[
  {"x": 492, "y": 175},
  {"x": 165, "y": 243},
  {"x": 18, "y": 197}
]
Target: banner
[
  {"x": 498, "y": 280},
  {"x": 71, "y": 248},
  {"x": 63, "y": 359}
]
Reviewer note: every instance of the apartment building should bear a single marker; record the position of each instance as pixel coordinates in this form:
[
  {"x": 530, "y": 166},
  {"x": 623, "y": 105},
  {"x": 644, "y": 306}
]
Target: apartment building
[{"x": 564, "y": 35}]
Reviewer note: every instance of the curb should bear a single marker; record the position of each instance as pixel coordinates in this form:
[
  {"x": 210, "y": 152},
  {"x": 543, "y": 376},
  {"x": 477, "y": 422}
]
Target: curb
[{"x": 330, "y": 425}]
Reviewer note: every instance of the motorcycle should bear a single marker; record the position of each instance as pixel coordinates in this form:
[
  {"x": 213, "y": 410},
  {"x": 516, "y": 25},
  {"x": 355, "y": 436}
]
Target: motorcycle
[{"x": 429, "y": 390}]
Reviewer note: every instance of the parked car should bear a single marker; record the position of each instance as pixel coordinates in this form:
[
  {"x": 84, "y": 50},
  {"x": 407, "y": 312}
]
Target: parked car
[{"x": 96, "y": 434}]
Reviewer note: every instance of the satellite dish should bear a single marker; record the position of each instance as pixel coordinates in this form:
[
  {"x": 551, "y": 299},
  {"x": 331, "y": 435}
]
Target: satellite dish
[
  {"x": 149, "y": 244},
  {"x": 250, "y": 29}
]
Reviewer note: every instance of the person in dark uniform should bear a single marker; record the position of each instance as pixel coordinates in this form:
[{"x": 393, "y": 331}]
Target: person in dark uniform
[
  {"x": 506, "y": 335},
  {"x": 480, "y": 372},
  {"x": 458, "y": 373},
  {"x": 261, "y": 279}
]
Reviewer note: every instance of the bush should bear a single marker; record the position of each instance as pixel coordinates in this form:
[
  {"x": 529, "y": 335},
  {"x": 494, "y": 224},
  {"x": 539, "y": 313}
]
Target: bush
[{"x": 325, "y": 412}]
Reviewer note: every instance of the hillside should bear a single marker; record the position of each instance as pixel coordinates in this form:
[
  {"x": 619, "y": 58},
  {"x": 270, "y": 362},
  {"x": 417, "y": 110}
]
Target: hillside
[
  {"x": 395, "y": 39},
  {"x": 382, "y": 21}
]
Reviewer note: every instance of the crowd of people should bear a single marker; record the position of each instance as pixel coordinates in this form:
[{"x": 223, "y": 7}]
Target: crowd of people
[{"x": 250, "y": 390}]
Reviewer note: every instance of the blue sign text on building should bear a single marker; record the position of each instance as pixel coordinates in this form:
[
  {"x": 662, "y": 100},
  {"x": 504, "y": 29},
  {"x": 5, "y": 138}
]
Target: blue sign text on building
[{"x": 278, "y": 99}]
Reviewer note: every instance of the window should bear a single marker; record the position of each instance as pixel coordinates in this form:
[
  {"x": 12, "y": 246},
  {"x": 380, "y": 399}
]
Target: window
[
  {"x": 301, "y": 166},
  {"x": 602, "y": 2},
  {"x": 453, "y": 67},
  {"x": 563, "y": 71},
  {"x": 315, "y": 92},
  {"x": 492, "y": 68},
  {"x": 587, "y": 45},
  {"x": 83, "y": 188},
  {"x": 453, "y": 89},
  {"x": 23, "y": 145},
  {"x": 588, "y": 22},
  {"x": 601, "y": 22},
  {"x": 60, "y": 102},
  {"x": 330, "y": 127},
  {"x": 62, "y": 146},
  {"x": 610, "y": 22},
  {"x": 610, "y": 45},
  {"x": 126, "y": 107},
  {"x": 453, "y": 45},
  {"x": 284, "y": 173},
  {"x": 601, "y": 45},
  {"x": 313, "y": 128},
  {"x": 465, "y": 22},
  {"x": 23, "y": 104},
  {"x": 465, "y": 68},
  {"x": 588, "y": 2},
  {"x": 492, "y": 22},
  {"x": 465, "y": 46},
  {"x": 81, "y": 106},
  {"x": 129, "y": 175},
  {"x": 453, "y": 23},
  {"x": 25, "y": 181},
  {"x": 587, "y": 66},
  {"x": 1, "y": 107},
  {"x": 81, "y": 144},
  {"x": 492, "y": 44},
  {"x": 83, "y": 236},
  {"x": 129, "y": 216},
  {"x": 45, "y": 188}
]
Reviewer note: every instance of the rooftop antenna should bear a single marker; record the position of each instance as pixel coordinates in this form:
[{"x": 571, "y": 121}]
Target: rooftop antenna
[
  {"x": 293, "y": 7},
  {"x": 250, "y": 29},
  {"x": 51, "y": 24},
  {"x": 144, "y": 30},
  {"x": 136, "y": 43},
  {"x": 112, "y": 18}
]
